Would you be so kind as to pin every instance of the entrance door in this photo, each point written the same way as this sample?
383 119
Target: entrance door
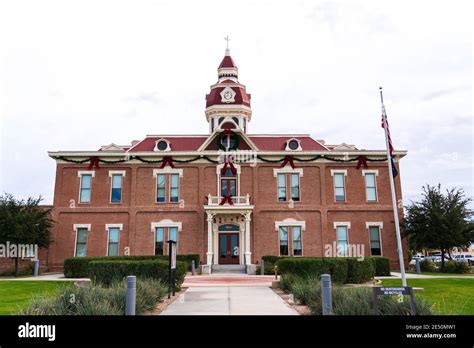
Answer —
229 248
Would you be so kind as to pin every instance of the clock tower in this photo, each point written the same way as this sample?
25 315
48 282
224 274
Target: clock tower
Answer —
228 99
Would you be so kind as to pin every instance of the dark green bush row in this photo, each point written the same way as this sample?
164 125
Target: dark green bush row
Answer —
77 267
456 267
341 269
109 272
428 266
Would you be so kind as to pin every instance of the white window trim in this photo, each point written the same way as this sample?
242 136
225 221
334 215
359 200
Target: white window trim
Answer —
289 225
80 173
348 227
287 170
287 145
219 177
376 172
111 176
380 226
75 228
290 222
339 171
107 229
166 223
168 145
168 170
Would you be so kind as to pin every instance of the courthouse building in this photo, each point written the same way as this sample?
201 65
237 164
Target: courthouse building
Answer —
229 195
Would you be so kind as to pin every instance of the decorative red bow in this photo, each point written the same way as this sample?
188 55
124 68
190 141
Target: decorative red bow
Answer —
167 160
228 131
230 164
94 163
288 159
228 199
362 161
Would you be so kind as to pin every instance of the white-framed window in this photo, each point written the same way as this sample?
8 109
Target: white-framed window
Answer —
167 177
113 238
342 237
165 230
375 238
116 185
85 186
339 181
290 237
80 244
370 178
288 183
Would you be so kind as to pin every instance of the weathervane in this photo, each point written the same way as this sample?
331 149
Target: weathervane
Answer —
227 39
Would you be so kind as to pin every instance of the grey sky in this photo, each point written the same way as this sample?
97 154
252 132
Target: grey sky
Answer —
75 75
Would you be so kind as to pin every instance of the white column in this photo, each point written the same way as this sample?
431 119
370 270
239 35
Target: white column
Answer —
209 238
248 254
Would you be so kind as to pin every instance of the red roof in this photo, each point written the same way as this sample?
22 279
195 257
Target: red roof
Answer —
278 143
176 143
227 62
241 96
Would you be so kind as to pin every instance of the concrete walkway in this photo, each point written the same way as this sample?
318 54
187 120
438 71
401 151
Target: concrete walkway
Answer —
53 276
422 276
229 300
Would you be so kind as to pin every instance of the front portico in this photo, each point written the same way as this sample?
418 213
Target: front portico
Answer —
228 233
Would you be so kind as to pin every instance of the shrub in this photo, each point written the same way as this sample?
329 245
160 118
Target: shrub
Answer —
455 267
306 290
359 271
77 267
97 300
382 265
270 263
109 272
428 266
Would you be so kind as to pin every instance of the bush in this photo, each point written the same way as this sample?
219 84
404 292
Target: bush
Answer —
109 272
77 267
97 300
359 271
382 265
428 266
306 290
270 263
455 267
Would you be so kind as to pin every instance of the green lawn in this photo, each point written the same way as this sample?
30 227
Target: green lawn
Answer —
439 274
15 295
449 296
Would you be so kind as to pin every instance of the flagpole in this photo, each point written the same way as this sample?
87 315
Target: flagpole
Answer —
394 197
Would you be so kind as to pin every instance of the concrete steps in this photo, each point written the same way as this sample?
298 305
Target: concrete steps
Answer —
228 269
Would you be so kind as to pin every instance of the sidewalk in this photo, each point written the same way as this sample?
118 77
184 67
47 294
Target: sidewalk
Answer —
46 277
229 300
422 276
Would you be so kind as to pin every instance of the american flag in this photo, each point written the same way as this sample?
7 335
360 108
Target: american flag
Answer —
390 145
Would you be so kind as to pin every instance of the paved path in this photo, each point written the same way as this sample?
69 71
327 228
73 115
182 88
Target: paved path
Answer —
228 280
53 276
421 276
229 300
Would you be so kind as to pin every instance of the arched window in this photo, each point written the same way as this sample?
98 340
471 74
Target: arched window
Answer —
236 120
221 119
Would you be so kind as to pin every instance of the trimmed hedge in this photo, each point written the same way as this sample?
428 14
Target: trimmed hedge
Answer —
382 265
342 269
359 271
77 267
110 272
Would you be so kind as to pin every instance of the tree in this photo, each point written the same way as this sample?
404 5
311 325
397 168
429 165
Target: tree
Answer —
439 221
24 222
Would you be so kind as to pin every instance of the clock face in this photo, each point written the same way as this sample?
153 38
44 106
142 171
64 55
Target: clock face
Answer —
228 95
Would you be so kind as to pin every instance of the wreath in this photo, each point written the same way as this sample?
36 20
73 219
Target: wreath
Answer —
225 133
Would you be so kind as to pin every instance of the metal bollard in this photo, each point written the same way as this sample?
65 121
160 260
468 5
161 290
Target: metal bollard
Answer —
262 267
131 295
418 267
326 294
36 268
193 267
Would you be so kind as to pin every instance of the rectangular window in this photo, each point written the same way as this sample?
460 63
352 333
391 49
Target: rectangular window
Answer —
160 188
173 235
339 187
174 188
81 242
159 241
281 187
375 247
341 232
295 187
86 185
116 194
297 247
283 241
370 187
114 234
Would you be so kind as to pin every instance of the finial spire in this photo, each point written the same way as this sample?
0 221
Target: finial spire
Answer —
227 51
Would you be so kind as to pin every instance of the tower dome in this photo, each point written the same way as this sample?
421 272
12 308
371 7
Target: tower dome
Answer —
228 99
